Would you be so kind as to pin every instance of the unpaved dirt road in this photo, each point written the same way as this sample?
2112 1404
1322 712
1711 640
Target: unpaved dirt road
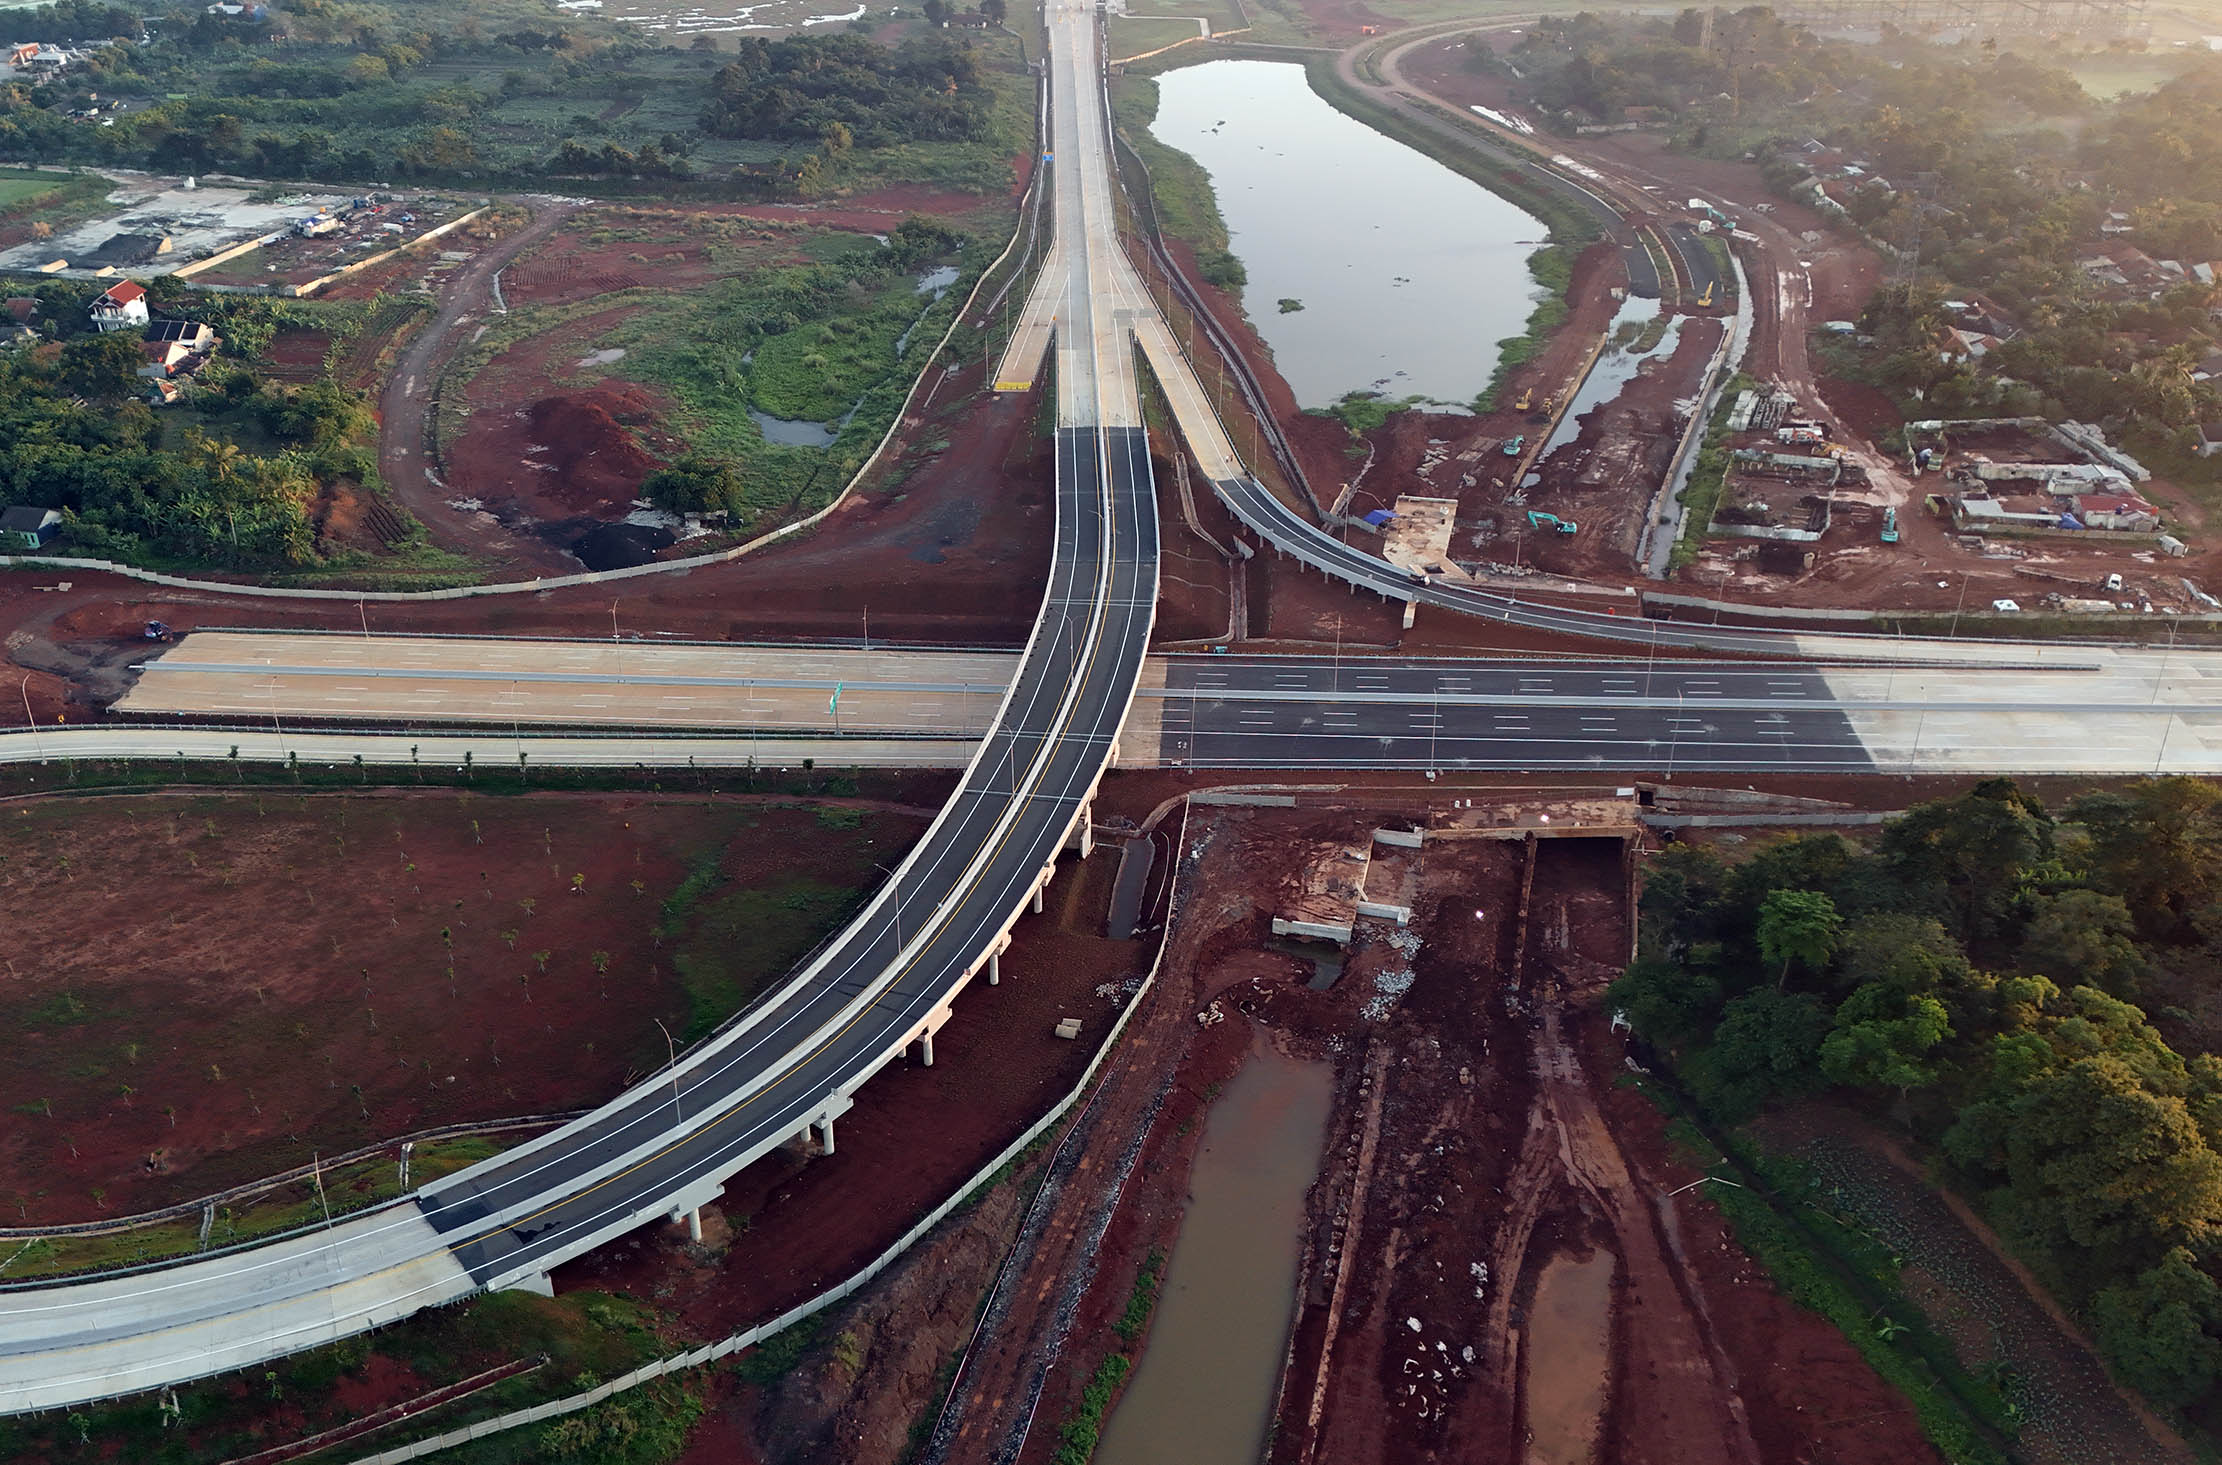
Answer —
404 446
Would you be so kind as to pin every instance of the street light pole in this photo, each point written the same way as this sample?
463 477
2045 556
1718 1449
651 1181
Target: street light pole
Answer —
2162 674
671 1048
896 880
29 721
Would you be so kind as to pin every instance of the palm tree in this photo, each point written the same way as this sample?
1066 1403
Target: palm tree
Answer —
220 458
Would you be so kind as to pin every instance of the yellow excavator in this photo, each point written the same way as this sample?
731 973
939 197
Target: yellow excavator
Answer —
1527 399
1705 296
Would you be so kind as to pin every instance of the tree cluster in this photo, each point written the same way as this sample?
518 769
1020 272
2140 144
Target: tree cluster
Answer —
73 20
75 436
793 90
651 161
1977 977
937 12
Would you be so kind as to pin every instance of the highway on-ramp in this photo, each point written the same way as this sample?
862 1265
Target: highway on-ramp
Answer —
791 1061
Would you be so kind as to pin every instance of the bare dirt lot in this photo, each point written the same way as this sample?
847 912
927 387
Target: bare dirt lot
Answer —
209 988
538 456
1476 1149
1606 477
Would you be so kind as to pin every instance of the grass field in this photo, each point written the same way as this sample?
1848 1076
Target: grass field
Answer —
801 324
1124 37
57 199
20 186
1224 15
2109 74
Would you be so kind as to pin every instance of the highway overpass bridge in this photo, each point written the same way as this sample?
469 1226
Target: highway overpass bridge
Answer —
2082 709
787 1065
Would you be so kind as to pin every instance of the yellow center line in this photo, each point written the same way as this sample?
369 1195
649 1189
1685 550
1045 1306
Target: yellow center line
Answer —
1098 616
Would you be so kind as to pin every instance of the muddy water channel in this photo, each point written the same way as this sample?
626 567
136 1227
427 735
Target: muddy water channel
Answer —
1408 274
1203 1392
1569 1335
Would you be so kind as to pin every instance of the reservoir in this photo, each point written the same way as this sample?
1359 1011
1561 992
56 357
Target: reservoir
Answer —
1409 274
1203 1391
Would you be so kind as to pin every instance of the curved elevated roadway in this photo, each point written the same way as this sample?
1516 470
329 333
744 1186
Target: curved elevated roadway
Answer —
1289 533
790 1062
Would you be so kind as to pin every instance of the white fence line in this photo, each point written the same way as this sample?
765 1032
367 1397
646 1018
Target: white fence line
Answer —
584 577
750 1337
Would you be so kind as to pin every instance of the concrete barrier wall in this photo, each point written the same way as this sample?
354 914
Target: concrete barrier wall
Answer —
188 270
750 1337
312 286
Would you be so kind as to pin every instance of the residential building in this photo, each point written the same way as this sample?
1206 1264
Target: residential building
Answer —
2116 511
23 528
121 306
193 335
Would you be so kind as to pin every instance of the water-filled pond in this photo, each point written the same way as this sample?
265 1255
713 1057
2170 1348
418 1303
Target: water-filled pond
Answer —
1408 274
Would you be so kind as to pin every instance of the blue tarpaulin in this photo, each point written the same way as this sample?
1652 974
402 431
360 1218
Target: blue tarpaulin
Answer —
1379 517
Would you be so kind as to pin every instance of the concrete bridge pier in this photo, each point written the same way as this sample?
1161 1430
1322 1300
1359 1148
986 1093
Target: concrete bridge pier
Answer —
995 959
687 1206
924 1037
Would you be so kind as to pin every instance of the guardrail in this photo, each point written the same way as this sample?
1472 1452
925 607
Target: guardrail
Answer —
464 1130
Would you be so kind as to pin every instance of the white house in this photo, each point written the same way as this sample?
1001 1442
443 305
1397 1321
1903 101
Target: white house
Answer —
121 306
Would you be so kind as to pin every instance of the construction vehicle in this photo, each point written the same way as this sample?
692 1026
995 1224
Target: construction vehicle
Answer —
1705 296
1537 519
1514 445
1543 412
1890 526
157 631
1527 399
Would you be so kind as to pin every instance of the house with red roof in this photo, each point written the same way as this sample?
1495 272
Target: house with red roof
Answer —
121 306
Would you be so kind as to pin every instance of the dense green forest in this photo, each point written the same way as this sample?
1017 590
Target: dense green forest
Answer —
801 88
175 486
2034 996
